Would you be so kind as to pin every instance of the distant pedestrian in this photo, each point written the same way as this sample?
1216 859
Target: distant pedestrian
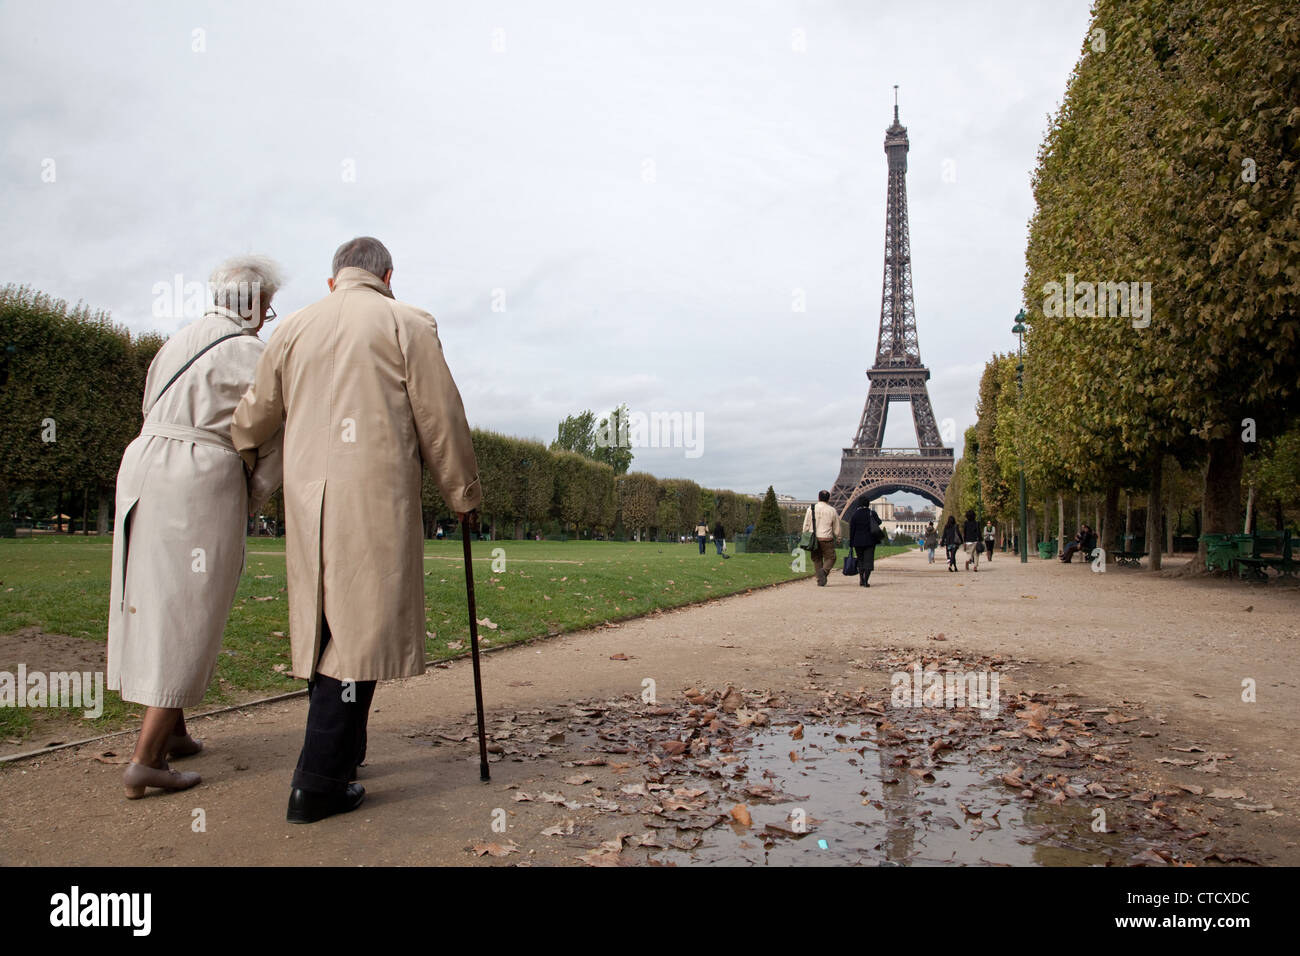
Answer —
701 534
970 534
951 541
864 535
719 536
990 534
824 522
931 540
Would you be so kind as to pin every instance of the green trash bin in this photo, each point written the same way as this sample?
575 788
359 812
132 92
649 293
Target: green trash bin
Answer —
1220 551
1046 549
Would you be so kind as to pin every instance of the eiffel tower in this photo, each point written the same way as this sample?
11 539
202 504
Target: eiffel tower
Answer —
868 471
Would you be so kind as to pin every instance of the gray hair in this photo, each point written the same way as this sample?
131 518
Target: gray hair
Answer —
240 281
363 252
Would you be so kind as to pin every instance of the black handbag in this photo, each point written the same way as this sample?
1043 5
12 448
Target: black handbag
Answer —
850 563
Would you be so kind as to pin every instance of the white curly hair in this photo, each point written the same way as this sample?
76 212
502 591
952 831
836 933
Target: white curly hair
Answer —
240 281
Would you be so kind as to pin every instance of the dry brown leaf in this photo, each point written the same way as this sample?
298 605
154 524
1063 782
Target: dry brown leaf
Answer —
495 849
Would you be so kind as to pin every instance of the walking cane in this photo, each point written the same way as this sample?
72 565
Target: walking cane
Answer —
473 643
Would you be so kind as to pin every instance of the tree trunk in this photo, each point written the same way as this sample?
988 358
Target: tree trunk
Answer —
102 514
1153 511
1221 498
1279 516
1096 517
1169 534
58 513
1060 522
1128 516
7 528
1250 511
1110 519
85 507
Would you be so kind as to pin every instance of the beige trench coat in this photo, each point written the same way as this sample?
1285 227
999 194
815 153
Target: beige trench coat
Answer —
182 507
365 396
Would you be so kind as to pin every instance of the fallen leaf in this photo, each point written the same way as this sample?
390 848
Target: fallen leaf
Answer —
1218 793
740 813
496 849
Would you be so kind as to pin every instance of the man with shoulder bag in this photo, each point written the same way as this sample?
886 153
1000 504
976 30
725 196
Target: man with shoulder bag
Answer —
824 524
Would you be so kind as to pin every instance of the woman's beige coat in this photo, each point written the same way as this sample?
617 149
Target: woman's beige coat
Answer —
182 508
360 384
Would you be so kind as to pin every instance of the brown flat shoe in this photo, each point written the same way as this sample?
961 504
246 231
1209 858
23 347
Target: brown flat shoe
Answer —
186 746
137 777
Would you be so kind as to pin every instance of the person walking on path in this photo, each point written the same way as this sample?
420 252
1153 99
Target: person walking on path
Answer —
824 522
864 535
719 536
951 541
183 500
931 540
970 534
701 534
360 386
990 535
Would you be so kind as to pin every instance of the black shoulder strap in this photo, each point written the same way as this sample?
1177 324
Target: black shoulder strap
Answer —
194 358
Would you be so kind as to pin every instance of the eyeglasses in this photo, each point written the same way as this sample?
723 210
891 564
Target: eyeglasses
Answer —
270 313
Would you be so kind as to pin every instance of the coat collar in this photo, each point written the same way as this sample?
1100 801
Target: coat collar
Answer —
352 277
231 315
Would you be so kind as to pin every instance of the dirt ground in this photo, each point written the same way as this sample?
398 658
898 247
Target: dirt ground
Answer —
1171 651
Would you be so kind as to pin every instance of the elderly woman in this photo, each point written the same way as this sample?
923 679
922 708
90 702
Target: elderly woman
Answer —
183 497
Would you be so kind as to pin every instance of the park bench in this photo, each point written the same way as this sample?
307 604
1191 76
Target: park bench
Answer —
1129 551
1258 552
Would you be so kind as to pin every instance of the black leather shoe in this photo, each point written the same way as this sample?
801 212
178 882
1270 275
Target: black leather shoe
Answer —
308 806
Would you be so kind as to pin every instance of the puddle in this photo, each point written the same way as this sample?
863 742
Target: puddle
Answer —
748 777
857 806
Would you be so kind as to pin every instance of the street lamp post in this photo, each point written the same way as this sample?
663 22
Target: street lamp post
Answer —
1019 330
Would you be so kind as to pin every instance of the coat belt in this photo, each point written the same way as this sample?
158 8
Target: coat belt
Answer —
200 436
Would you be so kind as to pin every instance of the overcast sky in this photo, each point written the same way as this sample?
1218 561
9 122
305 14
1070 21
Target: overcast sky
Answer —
600 202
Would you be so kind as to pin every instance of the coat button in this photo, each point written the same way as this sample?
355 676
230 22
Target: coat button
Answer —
133 610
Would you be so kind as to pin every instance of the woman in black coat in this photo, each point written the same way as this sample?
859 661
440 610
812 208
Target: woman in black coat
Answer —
864 535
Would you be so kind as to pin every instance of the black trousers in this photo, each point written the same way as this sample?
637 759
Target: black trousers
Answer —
866 562
335 741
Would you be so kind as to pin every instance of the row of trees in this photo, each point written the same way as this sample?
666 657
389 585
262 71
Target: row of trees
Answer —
527 486
71 383
1162 281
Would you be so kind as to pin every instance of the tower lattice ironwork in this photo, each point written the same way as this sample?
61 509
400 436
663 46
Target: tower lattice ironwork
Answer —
869 470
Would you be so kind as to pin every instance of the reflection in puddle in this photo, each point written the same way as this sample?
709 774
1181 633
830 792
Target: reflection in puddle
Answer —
859 803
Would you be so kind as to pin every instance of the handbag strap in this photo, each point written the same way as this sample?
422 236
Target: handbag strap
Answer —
184 368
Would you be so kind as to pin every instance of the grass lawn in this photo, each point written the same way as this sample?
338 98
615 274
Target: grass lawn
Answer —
528 589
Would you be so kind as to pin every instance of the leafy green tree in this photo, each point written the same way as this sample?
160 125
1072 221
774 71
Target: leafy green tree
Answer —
612 442
577 433
638 500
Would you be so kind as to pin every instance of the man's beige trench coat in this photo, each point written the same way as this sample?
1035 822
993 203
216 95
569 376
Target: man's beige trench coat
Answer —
182 507
360 383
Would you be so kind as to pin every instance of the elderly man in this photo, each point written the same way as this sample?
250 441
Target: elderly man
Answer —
823 520
365 397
